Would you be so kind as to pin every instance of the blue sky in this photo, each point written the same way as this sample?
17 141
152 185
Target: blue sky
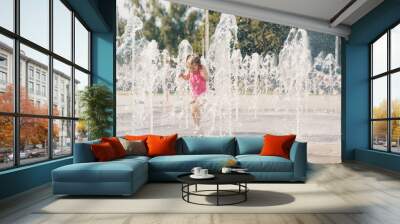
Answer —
35 27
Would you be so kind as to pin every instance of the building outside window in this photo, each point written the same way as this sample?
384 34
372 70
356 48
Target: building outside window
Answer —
3 72
37 74
44 77
43 90
55 98
38 89
58 133
30 72
3 61
30 87
3 78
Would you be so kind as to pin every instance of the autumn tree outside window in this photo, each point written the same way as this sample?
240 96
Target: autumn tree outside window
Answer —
38 84
385 91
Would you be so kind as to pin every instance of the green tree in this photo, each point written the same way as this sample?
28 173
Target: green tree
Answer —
169 24
255 36
197 41
178 25
380 127
97 103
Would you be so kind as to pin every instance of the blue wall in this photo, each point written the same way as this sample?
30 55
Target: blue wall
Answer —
103 51
103 63
356 84
24 178
100 16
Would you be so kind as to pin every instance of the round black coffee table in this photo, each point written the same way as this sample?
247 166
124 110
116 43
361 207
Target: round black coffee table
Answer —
238 179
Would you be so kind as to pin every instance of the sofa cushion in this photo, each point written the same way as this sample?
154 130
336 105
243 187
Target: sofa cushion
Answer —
134 147
159 145
116 145
277 145
185 163
190 145
103 152
136 137
112 171
249 144
257 163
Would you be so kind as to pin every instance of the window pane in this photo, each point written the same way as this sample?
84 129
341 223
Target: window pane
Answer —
81 131
6 142
81 45
62 29
34 97
395 47
35 21
81 81
6 75
379 55
395 138
62 138
7 14
395 94
379 97
33 139
62 89
379 135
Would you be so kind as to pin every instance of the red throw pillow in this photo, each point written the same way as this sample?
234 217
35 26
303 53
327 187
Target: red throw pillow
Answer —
116 145
103 152
161 145
136 137
277 145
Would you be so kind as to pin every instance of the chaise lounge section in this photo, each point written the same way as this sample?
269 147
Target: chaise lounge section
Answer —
88 177
125 176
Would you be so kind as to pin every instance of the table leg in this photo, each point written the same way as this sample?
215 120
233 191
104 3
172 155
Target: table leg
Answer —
188 190
217 194
245 193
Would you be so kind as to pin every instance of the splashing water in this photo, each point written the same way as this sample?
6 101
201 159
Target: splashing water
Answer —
244 93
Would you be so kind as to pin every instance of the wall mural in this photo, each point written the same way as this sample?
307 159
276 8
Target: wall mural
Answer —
191 71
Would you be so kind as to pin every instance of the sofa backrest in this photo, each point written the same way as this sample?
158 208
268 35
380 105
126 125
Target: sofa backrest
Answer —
250 144
192 145
83 152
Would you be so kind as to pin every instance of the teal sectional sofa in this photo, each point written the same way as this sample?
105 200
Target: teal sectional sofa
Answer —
125 176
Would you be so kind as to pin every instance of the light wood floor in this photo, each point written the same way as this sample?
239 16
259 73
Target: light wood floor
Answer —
377 188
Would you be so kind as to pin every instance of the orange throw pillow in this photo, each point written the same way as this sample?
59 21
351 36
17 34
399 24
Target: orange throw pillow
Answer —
161 145
277 145
136 137
116 145
103 152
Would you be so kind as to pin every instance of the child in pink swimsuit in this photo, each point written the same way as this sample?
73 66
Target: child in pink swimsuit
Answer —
197 76
198 84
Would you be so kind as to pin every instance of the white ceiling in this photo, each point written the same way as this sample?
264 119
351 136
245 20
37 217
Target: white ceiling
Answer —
319 9
309 14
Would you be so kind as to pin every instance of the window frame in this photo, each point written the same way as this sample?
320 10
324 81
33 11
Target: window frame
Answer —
388 74
16 114
3 69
